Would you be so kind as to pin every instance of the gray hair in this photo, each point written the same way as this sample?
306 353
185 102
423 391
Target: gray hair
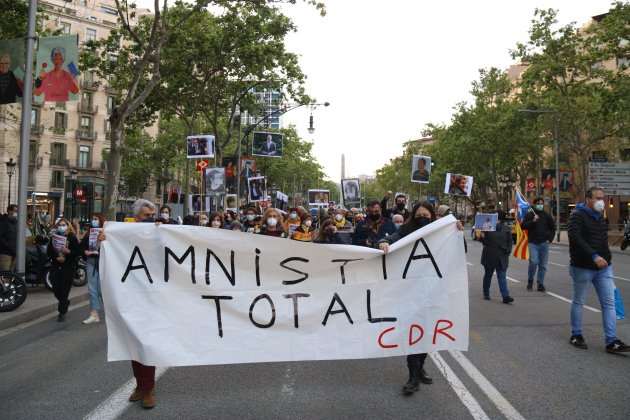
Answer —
58 50
139 203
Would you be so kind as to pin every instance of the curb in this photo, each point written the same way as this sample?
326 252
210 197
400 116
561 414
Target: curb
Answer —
38 312
614 249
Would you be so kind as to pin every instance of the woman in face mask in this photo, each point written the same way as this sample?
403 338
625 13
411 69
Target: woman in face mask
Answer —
216 220
63 249
89 250
272 224
305 231
292 222
165 216
421 215
328 234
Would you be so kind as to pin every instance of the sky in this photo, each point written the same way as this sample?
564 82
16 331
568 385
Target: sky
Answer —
388 68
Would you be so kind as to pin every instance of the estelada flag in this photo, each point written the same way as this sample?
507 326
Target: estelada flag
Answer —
521 250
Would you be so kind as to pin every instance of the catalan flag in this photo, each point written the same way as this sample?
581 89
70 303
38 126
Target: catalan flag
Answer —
521 206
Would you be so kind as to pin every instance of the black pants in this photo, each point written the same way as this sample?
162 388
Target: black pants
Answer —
61 279
416 360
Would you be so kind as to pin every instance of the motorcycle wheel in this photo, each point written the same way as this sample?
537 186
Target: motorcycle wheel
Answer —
47 281
12 291
624 245
80 277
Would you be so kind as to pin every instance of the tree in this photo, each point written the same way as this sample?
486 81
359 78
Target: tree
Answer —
131 58
567 74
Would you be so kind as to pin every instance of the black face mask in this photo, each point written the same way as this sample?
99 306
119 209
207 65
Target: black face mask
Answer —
422 221
328 232
375 216
400 206
148 220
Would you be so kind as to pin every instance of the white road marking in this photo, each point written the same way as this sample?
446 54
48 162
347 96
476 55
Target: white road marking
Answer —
469 263
556 252
511 279
620 278
461 391
553 263
569 300
28 324
118 402
493 394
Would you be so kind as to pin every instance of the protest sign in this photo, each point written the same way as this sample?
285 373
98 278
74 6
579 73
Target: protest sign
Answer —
184 295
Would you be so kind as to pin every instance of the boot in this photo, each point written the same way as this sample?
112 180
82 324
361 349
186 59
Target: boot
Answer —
148 401
413 384
529 285
137 394
424 378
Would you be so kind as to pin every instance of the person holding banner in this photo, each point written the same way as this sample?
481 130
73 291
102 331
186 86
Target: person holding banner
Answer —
272 224
63 249
421 215
89 251
328 234
497 246
305 231
369 232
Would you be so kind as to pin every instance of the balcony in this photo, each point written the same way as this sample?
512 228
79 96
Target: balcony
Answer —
110 90
84 134
37 128
89 85
59 130
60 105
87 108
58 161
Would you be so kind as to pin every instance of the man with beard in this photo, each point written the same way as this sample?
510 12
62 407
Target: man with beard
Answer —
374 228
400 206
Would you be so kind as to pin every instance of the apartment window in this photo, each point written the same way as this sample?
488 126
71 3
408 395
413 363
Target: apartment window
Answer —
86 123
32 152
110 103
34 118
61 121
84 157
113 57
66 27
56 180
86 99
82 3
90 34
58 154
109 10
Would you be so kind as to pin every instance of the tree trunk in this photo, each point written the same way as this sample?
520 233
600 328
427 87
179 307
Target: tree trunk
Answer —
113 167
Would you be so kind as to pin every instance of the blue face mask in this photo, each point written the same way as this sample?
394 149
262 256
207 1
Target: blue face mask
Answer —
250 217
62 229
95 223
539 207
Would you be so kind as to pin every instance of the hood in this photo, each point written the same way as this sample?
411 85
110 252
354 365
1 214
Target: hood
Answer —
592 213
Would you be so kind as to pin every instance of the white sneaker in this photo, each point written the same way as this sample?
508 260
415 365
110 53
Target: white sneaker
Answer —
91 320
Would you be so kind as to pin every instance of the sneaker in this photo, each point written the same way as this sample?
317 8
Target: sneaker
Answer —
617 346
578 341
61 318
486 297
529 285
91 320
508 299
541 288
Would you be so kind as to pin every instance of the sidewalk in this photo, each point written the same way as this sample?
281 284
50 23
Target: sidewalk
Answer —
39 302
615 249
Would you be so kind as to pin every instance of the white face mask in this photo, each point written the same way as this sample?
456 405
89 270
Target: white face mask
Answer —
293 215
338 217
165 215
308 223
272 222
204 221
599 205
216 223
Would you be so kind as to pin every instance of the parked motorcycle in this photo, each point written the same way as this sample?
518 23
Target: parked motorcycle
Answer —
626 238
12 291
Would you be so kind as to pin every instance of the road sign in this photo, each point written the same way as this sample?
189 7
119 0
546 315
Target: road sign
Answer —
613 178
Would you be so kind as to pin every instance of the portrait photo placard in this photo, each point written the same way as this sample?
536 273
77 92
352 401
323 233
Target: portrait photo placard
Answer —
215 181
486 222
231 202
458 184
57 69
421 169
200 146
351 189
267 144
12 70
257 189
318 196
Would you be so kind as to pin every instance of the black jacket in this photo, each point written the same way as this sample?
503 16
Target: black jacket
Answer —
8 235
497 246
389 213
540 231
72 245
588 235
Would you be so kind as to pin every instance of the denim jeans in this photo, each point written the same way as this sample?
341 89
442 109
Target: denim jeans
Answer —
94 284
501 273
603 282
538 254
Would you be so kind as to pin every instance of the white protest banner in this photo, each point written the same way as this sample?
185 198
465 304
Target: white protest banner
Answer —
185 295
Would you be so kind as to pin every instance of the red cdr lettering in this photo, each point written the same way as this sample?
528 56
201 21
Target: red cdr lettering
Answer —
380 339
411 328
439 330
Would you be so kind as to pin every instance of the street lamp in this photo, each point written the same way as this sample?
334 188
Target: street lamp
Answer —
10 172
556 144
73 175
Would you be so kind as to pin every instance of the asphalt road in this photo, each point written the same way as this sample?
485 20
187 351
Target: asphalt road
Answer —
519 365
